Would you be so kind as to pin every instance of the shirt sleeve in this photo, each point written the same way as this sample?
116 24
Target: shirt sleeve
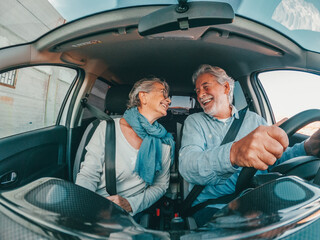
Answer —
154 192
91 168
296 150
201 165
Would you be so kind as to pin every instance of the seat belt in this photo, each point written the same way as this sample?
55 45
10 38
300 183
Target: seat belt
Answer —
229 137
110 157
110 146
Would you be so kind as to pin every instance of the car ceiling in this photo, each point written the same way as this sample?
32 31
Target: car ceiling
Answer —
109 45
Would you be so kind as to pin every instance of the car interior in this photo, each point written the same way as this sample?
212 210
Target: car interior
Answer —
112 50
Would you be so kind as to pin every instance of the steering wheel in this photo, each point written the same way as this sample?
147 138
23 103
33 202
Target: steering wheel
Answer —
290 127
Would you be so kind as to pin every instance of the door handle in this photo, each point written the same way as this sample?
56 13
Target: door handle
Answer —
8 178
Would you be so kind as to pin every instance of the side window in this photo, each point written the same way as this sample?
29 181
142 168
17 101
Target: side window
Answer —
31 97
291 92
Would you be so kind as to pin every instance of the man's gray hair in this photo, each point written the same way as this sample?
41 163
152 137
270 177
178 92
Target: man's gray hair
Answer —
217 72
143 85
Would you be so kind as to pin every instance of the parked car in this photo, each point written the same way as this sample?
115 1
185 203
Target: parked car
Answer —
59 59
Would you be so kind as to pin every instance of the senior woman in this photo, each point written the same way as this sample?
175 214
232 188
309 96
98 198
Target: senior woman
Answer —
144 150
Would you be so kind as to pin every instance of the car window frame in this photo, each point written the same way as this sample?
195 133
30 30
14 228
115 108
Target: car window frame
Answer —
259 101
264 104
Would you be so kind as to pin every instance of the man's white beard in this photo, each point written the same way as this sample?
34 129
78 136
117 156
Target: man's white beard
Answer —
215 108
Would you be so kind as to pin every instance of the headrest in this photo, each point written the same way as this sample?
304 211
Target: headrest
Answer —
116 99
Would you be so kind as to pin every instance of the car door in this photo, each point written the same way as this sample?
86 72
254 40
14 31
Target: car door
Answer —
33 135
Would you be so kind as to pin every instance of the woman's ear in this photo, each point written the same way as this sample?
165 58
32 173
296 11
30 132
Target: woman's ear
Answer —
143 98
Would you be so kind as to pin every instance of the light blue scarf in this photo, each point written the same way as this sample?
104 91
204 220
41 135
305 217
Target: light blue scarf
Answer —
150 152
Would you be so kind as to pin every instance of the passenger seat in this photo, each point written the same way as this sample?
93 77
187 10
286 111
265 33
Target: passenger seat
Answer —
115 105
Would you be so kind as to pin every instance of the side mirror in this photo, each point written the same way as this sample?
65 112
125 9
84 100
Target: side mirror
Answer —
190 15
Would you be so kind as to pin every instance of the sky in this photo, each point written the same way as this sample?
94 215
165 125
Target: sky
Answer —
78 9
73 9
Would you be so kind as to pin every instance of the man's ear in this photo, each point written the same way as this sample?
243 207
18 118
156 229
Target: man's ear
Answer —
143 98
227 88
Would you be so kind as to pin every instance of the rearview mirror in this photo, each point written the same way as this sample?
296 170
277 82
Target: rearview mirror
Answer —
196 14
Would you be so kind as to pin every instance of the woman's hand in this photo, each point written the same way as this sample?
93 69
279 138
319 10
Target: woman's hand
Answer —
122 202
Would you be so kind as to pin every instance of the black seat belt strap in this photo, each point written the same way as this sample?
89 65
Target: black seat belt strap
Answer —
109 157
229 137
110 146
234 128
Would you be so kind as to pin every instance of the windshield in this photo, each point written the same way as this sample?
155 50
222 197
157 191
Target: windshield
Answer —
24 21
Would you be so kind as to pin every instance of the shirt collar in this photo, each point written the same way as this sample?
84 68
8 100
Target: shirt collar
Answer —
235 112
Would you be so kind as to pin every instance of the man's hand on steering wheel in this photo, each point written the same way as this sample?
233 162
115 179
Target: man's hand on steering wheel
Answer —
290 126
260 148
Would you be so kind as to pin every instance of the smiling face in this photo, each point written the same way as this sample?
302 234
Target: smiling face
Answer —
213 96
155 103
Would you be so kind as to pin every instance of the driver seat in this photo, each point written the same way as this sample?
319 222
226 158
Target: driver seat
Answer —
240 102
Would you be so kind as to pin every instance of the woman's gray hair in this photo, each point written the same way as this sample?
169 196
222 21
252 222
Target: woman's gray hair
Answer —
143 85
217 72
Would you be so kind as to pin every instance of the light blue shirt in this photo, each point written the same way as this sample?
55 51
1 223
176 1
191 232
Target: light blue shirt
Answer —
202 161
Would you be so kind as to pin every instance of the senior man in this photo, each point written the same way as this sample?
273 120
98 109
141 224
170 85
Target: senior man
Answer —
203 161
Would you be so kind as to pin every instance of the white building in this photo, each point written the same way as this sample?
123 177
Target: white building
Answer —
30 98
